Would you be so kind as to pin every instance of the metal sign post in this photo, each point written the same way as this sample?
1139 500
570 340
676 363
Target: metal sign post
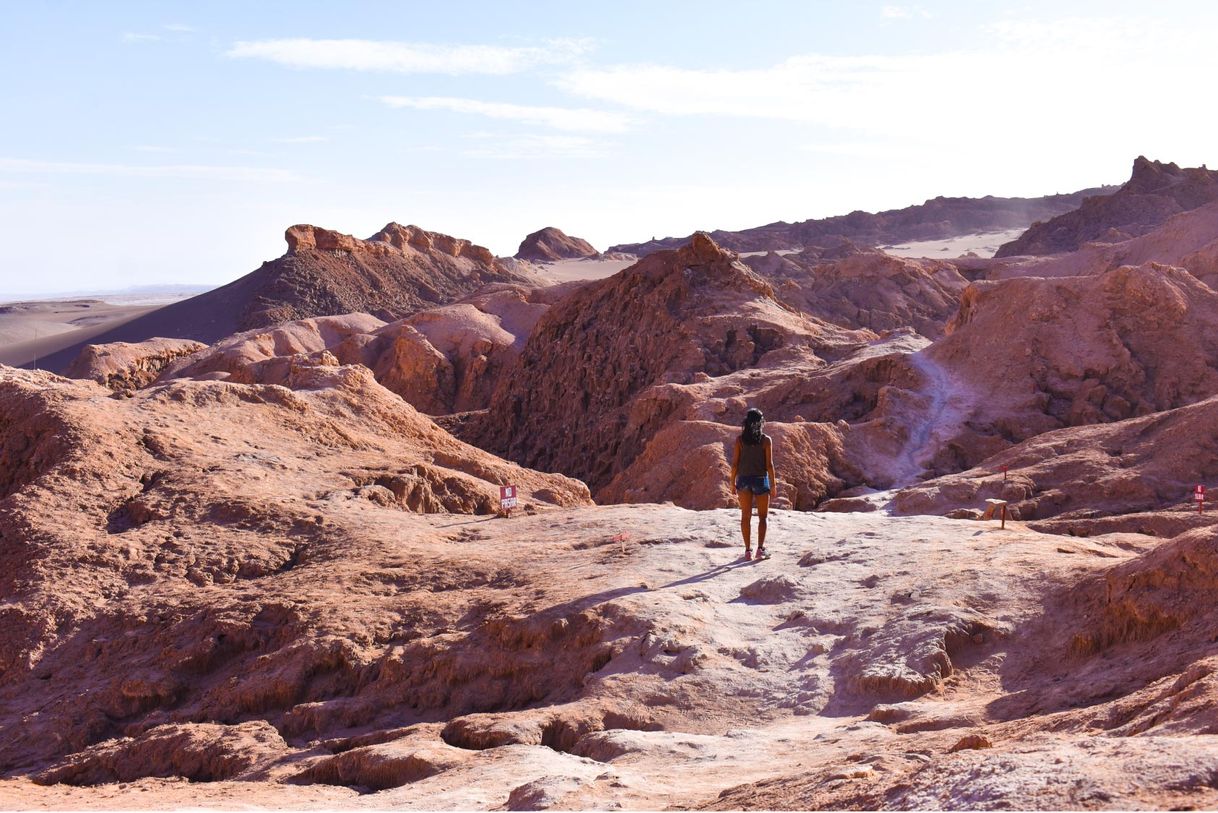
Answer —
507 499
1199 496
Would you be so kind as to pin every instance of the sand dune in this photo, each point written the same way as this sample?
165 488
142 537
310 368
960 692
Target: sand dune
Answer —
983 245
584 269
34 330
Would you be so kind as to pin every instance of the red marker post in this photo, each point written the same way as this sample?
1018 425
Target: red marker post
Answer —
1199 496
507 499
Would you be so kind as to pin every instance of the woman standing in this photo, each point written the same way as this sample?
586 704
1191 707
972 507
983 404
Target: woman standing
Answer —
753 478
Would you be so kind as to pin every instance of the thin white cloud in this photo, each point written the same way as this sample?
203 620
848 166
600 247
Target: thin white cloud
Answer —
904 12
408 57
560 118
131 36
1031 68
1103 34
175 171
865 149
500 146
805 88
309 139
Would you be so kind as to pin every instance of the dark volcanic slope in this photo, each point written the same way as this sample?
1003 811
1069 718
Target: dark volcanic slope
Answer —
551 244
397 271
1153 193
933 220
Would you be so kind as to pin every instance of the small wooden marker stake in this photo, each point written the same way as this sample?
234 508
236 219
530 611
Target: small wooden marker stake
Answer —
1000 506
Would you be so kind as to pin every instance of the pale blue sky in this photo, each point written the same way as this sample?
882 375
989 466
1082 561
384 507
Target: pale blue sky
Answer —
173 142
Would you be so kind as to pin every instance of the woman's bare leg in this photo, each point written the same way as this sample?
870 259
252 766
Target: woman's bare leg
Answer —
746 515
763 508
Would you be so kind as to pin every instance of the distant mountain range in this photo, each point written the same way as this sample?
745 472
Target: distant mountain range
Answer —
150 291
936 219
1154 192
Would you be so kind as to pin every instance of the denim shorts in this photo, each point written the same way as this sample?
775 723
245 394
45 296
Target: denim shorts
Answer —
759 484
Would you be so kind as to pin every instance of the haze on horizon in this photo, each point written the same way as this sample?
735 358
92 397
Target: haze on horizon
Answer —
172 143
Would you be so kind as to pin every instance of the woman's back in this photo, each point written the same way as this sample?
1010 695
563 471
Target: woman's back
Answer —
752 458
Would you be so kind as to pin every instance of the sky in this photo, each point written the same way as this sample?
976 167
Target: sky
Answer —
173 142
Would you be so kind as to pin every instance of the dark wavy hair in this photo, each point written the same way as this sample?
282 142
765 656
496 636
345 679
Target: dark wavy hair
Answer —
753 421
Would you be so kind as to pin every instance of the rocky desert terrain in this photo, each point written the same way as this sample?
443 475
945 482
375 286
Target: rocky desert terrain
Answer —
260 561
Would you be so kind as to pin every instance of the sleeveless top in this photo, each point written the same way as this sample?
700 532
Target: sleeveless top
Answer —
752 459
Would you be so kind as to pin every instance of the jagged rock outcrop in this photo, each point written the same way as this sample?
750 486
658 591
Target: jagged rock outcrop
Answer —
125 366
1046 353
398 270
224 528
550 244
440 360
1161 593
395 272
233 584
572 403
935 219
1132 348
1188 240
203 752
1154 192
865 289
1086 478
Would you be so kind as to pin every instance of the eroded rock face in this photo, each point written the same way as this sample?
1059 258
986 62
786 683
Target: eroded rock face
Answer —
866 289
1188 240
1070 351
440 360
124 366
1081 475
1154 192
223 582
572 403
200 752
394 273
398 270
550 244
195 485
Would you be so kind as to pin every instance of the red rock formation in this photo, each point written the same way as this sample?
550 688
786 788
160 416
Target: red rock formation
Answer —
124 366
1045 353
552 244
395 272
1138 467
398 270
1154 192
195 485
1188 240
686 462
441 360
201 753
866 289
573 402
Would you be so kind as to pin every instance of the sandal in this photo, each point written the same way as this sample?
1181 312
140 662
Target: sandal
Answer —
748 552
762 553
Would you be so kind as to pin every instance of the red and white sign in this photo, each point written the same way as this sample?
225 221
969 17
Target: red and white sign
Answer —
507 497
1199 493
